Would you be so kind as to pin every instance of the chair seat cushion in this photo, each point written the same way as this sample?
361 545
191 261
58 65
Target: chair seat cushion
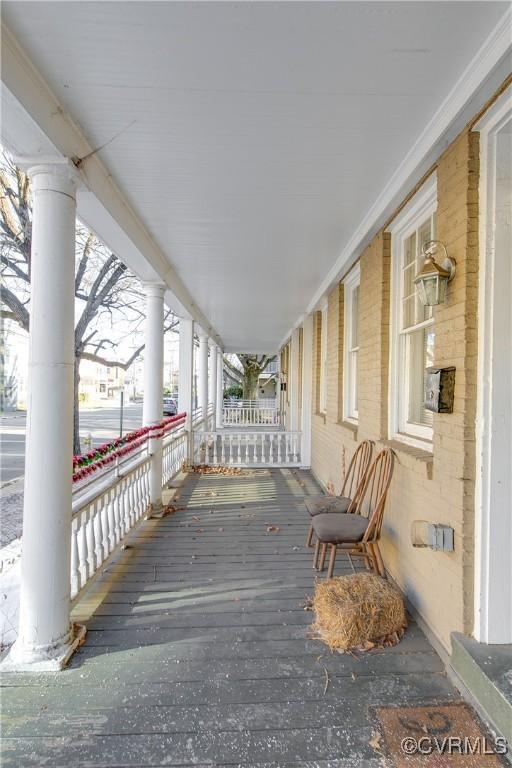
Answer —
332 528
318 505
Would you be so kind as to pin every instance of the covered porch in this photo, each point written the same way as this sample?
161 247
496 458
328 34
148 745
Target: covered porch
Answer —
284 177
199 651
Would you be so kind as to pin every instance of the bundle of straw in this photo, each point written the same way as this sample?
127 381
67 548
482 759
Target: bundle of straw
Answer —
360 611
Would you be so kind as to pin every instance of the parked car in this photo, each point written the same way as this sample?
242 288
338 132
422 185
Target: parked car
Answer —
170 406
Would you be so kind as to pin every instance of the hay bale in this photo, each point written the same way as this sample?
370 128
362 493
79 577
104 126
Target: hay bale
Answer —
359 611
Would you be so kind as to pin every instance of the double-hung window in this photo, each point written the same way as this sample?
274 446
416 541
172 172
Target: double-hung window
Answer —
323 359
351 343
412 324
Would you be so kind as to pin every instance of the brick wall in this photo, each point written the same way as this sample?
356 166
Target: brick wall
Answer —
438 487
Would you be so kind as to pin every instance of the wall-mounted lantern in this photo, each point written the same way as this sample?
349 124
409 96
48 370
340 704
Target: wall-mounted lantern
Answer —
433 278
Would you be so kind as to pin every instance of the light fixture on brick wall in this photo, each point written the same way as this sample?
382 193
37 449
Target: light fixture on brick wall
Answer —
433 278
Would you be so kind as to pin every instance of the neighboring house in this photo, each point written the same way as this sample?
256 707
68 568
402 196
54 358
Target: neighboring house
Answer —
13 366
267 384
100 382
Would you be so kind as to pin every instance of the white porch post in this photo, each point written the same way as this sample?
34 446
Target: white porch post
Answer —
202 376
307 389
220 389
213 384
186 374
294 380
44 638
153 383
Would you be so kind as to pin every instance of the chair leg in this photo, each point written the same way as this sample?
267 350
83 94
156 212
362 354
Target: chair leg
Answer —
322 557
317 552
373 558
332 560
380 562
309 540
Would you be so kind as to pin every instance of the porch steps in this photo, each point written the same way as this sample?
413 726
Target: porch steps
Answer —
486 673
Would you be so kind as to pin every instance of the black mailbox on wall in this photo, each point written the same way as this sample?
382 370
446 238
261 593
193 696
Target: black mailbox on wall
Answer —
439 389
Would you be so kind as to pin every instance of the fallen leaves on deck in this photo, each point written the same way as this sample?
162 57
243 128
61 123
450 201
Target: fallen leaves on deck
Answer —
205 469
375 743
273 528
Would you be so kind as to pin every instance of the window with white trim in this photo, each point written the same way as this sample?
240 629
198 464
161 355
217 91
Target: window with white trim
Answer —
351 343
412 326
323 360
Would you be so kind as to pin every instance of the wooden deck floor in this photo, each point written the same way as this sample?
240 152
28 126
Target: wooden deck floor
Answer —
198 651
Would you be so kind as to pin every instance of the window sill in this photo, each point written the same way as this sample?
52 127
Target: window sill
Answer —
349 426
322 415
417 459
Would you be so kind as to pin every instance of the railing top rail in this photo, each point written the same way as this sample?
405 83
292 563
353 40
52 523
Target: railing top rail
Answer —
100 457
85 499
233 432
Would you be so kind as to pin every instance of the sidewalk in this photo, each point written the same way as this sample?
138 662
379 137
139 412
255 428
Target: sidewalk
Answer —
11 512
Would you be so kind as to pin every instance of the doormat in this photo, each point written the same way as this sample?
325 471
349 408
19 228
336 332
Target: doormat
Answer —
437 736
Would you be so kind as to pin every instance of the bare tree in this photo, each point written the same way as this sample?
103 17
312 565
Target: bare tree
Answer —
107 294
246 370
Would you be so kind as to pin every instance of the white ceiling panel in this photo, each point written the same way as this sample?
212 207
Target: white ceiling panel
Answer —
254 137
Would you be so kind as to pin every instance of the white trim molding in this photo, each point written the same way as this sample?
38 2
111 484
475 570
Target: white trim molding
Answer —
493 487
350 353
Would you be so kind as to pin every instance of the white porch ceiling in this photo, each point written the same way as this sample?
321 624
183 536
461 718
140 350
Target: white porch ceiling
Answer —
253 137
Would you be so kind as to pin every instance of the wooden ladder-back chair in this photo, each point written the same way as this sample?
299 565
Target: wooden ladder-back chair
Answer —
358 532
353 484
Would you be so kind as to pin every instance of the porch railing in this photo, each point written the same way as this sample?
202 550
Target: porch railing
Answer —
102 519
254 449
111 492
263 402
252 414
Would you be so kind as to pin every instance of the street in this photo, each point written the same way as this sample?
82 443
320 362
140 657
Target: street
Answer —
101 424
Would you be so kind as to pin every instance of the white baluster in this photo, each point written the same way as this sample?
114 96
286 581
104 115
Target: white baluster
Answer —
75 568
98 532
91 543
278 437
104 524
263 440
111 521
117 520
287 444
230 460
126 502
295 448
271 448
82 547
131 497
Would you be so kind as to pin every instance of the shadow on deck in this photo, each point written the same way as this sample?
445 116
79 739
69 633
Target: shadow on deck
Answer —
198 652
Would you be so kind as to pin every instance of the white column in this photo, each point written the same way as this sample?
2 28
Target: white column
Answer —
307 389
294 380
186 372
220 389
44 638
213 383
154 383
202 376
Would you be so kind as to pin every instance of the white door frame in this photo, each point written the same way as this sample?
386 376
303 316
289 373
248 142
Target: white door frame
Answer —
493 487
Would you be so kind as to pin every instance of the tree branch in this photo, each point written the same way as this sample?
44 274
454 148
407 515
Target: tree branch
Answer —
21 314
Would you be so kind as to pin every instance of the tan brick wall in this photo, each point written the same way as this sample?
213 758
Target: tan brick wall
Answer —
439 487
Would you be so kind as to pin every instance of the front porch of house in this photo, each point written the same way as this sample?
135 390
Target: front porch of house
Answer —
198 650
302 205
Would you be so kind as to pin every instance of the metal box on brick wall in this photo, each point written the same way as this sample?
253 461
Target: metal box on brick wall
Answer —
439 389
